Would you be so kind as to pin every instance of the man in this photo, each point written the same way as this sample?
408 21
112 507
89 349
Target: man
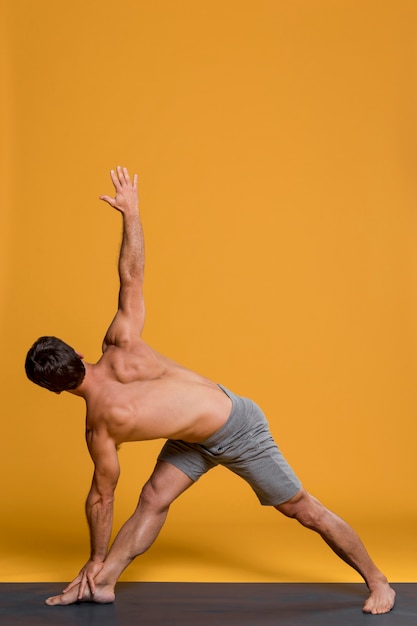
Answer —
133 394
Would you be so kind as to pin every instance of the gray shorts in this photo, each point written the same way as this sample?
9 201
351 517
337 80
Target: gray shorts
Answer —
244 445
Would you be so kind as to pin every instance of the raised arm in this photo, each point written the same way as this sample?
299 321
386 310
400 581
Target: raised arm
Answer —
127 325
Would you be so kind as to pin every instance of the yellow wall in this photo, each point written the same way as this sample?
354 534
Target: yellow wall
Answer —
276 147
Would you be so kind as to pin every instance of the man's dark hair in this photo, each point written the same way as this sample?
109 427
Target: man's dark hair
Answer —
53 364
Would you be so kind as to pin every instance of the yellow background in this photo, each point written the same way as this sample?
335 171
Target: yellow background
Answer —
276 147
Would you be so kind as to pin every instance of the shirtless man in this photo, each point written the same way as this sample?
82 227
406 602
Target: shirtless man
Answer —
134 394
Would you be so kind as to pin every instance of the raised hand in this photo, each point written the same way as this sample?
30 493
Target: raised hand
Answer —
126 198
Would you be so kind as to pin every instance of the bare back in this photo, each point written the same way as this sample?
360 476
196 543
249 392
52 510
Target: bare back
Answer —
138 394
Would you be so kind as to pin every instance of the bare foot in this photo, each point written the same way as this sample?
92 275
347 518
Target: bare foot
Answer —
381 599
104 595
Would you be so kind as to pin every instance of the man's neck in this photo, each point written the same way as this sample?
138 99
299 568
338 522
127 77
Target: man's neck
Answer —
82 389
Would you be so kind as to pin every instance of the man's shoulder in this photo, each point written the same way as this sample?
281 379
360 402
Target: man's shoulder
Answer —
133 363
135 346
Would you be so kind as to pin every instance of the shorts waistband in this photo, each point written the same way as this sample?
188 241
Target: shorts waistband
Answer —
239 407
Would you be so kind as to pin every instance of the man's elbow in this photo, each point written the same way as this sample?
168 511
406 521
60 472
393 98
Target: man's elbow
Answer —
101 497
107 499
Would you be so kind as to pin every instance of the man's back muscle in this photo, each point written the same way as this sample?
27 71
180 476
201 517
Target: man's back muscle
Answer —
139 394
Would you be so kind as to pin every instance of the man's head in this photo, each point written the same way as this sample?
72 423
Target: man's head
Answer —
53 364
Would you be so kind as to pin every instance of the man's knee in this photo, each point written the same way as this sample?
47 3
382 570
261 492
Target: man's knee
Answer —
163 487
153 497
305 509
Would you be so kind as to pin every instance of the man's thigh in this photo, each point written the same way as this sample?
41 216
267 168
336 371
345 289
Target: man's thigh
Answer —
190 458
167 482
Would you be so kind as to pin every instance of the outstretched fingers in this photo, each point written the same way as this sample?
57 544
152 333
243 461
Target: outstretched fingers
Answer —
126 196
121 176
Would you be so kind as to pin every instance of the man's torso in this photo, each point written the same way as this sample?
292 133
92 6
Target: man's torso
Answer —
143 395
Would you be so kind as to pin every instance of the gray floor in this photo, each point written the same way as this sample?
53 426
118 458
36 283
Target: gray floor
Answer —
198 604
